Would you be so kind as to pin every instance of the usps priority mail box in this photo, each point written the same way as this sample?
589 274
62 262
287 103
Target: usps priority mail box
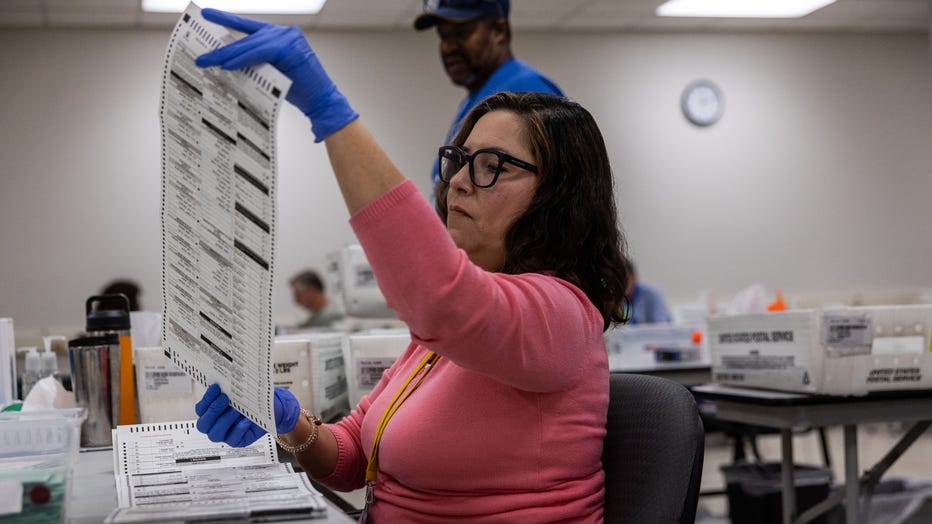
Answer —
843 351
368 355
312 367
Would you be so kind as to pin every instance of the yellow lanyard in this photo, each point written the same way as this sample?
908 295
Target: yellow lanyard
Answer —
426 364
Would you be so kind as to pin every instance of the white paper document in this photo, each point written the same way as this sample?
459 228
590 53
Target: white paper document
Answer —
218 216
172 472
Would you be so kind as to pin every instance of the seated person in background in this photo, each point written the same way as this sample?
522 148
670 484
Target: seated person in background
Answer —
125 287
496 411
645 303
308 291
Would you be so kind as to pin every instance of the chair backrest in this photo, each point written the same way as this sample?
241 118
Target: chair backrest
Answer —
653 451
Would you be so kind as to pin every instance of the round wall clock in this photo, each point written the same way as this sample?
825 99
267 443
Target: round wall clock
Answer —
702 103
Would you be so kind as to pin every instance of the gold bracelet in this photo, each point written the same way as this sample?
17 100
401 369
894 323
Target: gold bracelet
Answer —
315 430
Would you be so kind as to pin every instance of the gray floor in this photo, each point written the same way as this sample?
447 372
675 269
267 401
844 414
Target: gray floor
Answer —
873 442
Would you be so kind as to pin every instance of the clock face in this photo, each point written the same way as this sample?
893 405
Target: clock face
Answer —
702 103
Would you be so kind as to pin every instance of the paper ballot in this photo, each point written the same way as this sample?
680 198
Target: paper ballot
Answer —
172 472
218 216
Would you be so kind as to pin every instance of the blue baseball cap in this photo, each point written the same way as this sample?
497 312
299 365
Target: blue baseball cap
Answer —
459 11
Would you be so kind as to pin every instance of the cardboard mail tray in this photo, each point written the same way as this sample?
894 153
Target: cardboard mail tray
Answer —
311 366
845 351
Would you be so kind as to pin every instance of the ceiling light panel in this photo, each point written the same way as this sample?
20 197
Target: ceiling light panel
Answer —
741 8
269 7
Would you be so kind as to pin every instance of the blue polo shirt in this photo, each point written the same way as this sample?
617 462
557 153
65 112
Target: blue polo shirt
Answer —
513 76
648 306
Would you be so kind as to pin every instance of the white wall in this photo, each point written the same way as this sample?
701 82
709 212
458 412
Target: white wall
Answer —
819 175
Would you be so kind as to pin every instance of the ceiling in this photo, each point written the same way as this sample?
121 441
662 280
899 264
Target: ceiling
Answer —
530 15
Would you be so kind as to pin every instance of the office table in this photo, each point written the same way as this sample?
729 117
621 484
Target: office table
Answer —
93 491
786 411
686 373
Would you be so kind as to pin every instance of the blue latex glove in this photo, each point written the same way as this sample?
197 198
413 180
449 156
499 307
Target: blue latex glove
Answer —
222 423
311 91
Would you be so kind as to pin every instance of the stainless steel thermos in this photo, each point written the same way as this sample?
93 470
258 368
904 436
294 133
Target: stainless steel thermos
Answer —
102 372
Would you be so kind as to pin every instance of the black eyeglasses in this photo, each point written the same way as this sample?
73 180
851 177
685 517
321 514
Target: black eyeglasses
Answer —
484 165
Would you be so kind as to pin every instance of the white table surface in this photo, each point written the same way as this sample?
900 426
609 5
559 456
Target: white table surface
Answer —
93 491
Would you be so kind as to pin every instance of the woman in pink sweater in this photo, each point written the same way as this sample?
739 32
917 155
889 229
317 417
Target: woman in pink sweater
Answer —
496 411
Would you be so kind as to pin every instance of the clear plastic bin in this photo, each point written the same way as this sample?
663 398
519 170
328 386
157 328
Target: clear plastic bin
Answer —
37 452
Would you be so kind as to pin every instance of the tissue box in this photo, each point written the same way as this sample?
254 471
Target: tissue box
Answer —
845 351
312 367
368 355
38 451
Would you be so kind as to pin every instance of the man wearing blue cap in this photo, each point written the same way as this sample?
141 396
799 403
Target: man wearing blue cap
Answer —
475 46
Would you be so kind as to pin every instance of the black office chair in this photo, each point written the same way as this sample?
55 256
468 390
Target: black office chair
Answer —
653 451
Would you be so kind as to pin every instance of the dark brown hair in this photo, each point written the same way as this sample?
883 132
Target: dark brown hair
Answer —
128 288
308 278
571 226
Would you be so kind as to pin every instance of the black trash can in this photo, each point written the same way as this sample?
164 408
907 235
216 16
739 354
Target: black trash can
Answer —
755 491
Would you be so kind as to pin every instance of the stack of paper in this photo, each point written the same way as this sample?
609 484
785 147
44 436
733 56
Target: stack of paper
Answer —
172 472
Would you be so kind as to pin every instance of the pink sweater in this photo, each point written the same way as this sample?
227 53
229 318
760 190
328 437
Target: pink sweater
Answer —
508 426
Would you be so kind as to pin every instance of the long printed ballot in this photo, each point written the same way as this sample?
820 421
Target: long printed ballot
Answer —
218 216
